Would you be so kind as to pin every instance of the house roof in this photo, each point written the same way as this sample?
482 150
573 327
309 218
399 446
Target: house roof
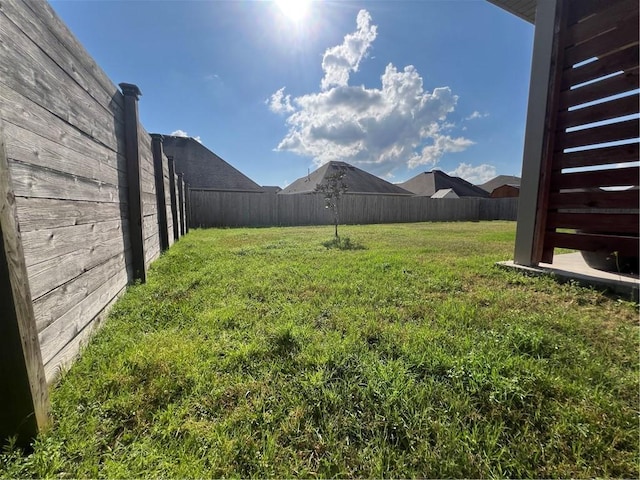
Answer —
204 169
427 183
445 193
525 9
357 181
498 181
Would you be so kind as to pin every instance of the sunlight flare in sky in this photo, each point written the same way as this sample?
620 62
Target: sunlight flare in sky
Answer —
294 10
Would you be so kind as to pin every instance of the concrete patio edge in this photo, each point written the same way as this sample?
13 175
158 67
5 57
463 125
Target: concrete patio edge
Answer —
571 266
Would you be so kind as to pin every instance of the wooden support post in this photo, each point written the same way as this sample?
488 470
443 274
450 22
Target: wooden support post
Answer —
187 206
181 202
24 401
536 134
174 200
156 140
136 227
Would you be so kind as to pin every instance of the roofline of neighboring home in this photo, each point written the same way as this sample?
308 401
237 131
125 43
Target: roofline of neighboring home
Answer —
202 145
524 9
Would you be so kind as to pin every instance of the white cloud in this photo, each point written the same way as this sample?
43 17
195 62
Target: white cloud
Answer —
339 61
182 133
379 129
476 175
476 114
280 103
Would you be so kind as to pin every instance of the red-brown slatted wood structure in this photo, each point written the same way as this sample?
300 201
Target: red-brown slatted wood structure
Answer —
580 169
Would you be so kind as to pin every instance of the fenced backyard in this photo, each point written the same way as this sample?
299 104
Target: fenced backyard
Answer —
261 353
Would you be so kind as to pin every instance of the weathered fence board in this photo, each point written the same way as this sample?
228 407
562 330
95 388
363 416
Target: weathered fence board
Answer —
59 301
47 213
33 181
28 70
47 275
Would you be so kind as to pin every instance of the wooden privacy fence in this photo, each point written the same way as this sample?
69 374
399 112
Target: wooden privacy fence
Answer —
227 209
592 110
87 202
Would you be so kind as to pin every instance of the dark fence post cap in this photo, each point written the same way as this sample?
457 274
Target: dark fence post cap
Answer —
129 89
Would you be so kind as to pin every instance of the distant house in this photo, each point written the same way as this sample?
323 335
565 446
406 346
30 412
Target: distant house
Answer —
203 169
506 191
426 184
508 185
357 181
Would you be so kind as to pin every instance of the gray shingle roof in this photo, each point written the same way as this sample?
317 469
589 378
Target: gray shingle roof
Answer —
204 169
500 180
357 181
425 184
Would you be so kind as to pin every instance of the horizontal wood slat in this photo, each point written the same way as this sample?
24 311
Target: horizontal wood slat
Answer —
626 33
626 130
34 181
45 213
624 245
42 245
602 111
64 50
45 18
602 199
598 156
580 10
624 82
615 177
31 148
623 60
601 22
59 301
595 222
29 71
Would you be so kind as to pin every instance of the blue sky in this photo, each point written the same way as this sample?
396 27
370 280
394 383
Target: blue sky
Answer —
393 87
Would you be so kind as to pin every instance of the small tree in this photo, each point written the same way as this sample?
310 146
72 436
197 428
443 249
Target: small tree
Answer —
333 187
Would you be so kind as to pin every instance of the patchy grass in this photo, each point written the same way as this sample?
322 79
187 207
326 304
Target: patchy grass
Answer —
261 353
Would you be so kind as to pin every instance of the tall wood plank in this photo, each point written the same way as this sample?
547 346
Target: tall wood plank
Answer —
24 402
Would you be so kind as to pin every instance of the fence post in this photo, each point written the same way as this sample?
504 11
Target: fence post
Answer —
174 207
24 403
187 206
181 201
136 228
156 140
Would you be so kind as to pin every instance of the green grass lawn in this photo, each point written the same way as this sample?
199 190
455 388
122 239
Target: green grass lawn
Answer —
261 353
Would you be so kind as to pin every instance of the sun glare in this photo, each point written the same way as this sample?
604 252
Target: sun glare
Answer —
294 10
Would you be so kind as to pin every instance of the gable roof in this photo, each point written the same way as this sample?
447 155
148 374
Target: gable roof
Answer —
204 169
445 193
498 181
357 181
425 184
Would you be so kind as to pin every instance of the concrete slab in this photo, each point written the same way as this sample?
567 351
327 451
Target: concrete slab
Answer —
571 266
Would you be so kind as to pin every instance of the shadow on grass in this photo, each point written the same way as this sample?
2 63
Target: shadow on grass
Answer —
343 243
